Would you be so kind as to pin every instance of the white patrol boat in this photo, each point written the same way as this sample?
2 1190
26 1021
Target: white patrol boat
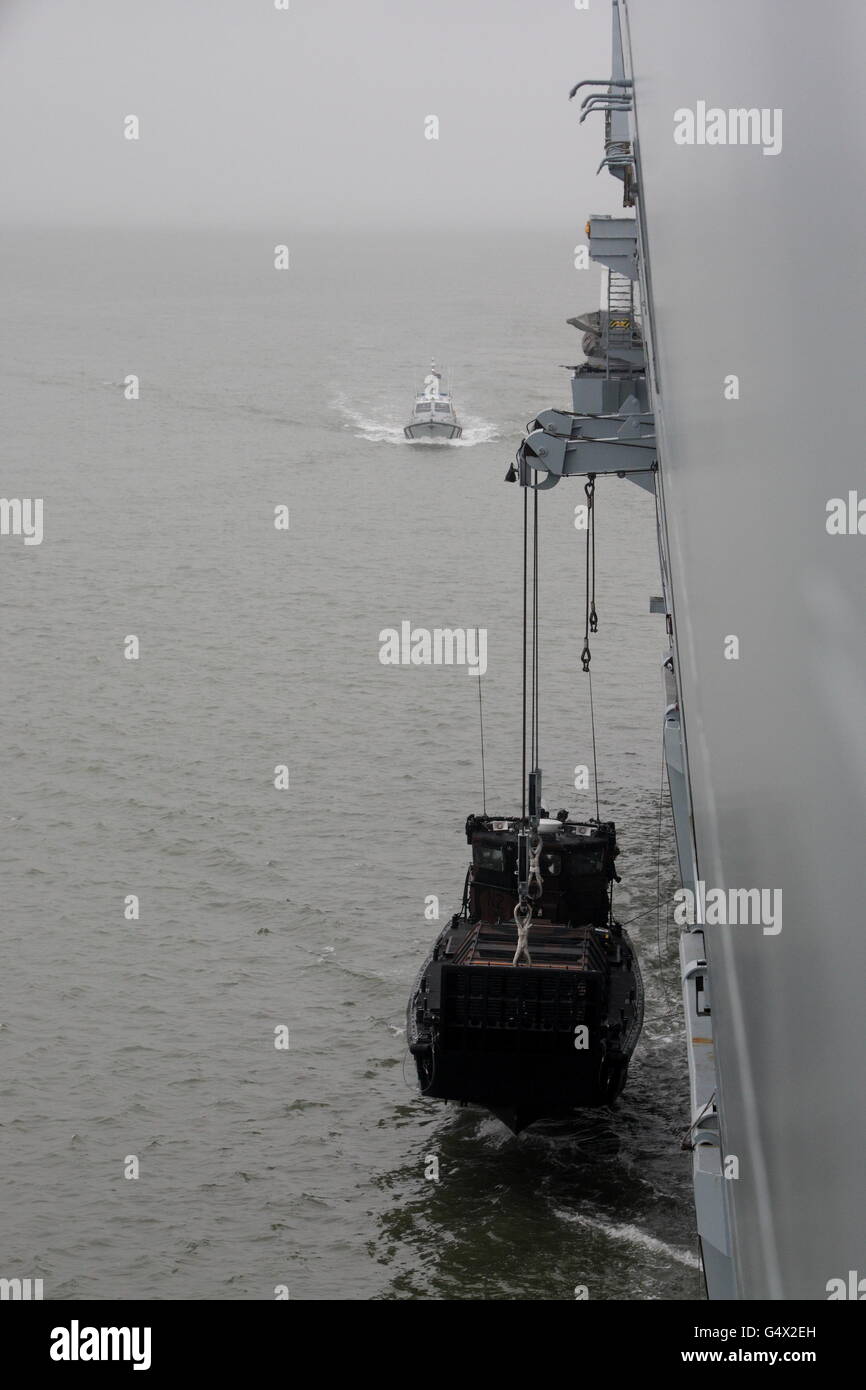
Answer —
433 417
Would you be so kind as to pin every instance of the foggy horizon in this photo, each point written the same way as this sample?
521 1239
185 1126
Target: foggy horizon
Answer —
309 119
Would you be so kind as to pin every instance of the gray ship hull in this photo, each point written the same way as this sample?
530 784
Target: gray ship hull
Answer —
777 1028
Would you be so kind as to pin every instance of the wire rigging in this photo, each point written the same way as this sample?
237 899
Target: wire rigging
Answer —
591 616
529 847
659 868
591 619
531 662
481 725
525 595
536 694
531 699
594 751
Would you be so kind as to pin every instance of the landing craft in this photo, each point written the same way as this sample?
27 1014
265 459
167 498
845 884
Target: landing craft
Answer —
531 1001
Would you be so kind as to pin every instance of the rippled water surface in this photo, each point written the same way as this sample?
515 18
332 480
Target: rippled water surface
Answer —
259 908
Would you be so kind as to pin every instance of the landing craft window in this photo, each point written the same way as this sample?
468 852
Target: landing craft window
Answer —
421 409
440 408
489 857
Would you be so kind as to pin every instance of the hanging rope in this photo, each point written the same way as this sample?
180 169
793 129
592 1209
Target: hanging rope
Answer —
522 920
591 618
535 681
481 724
659 865
594 753
590 490
464 905
525 595
591 622
530 700
535 634
533 888
686 1142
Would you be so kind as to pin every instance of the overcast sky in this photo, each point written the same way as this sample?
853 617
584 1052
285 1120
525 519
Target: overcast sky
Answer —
249 114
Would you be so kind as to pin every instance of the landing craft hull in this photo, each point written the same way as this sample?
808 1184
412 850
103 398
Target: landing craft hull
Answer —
504 1037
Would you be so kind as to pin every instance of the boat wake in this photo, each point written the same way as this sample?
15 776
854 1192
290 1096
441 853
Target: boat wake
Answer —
388 428
633 1235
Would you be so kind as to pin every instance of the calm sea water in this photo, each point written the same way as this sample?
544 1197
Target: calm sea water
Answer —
259 908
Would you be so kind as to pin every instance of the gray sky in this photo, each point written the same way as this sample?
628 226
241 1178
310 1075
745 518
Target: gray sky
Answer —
315 116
